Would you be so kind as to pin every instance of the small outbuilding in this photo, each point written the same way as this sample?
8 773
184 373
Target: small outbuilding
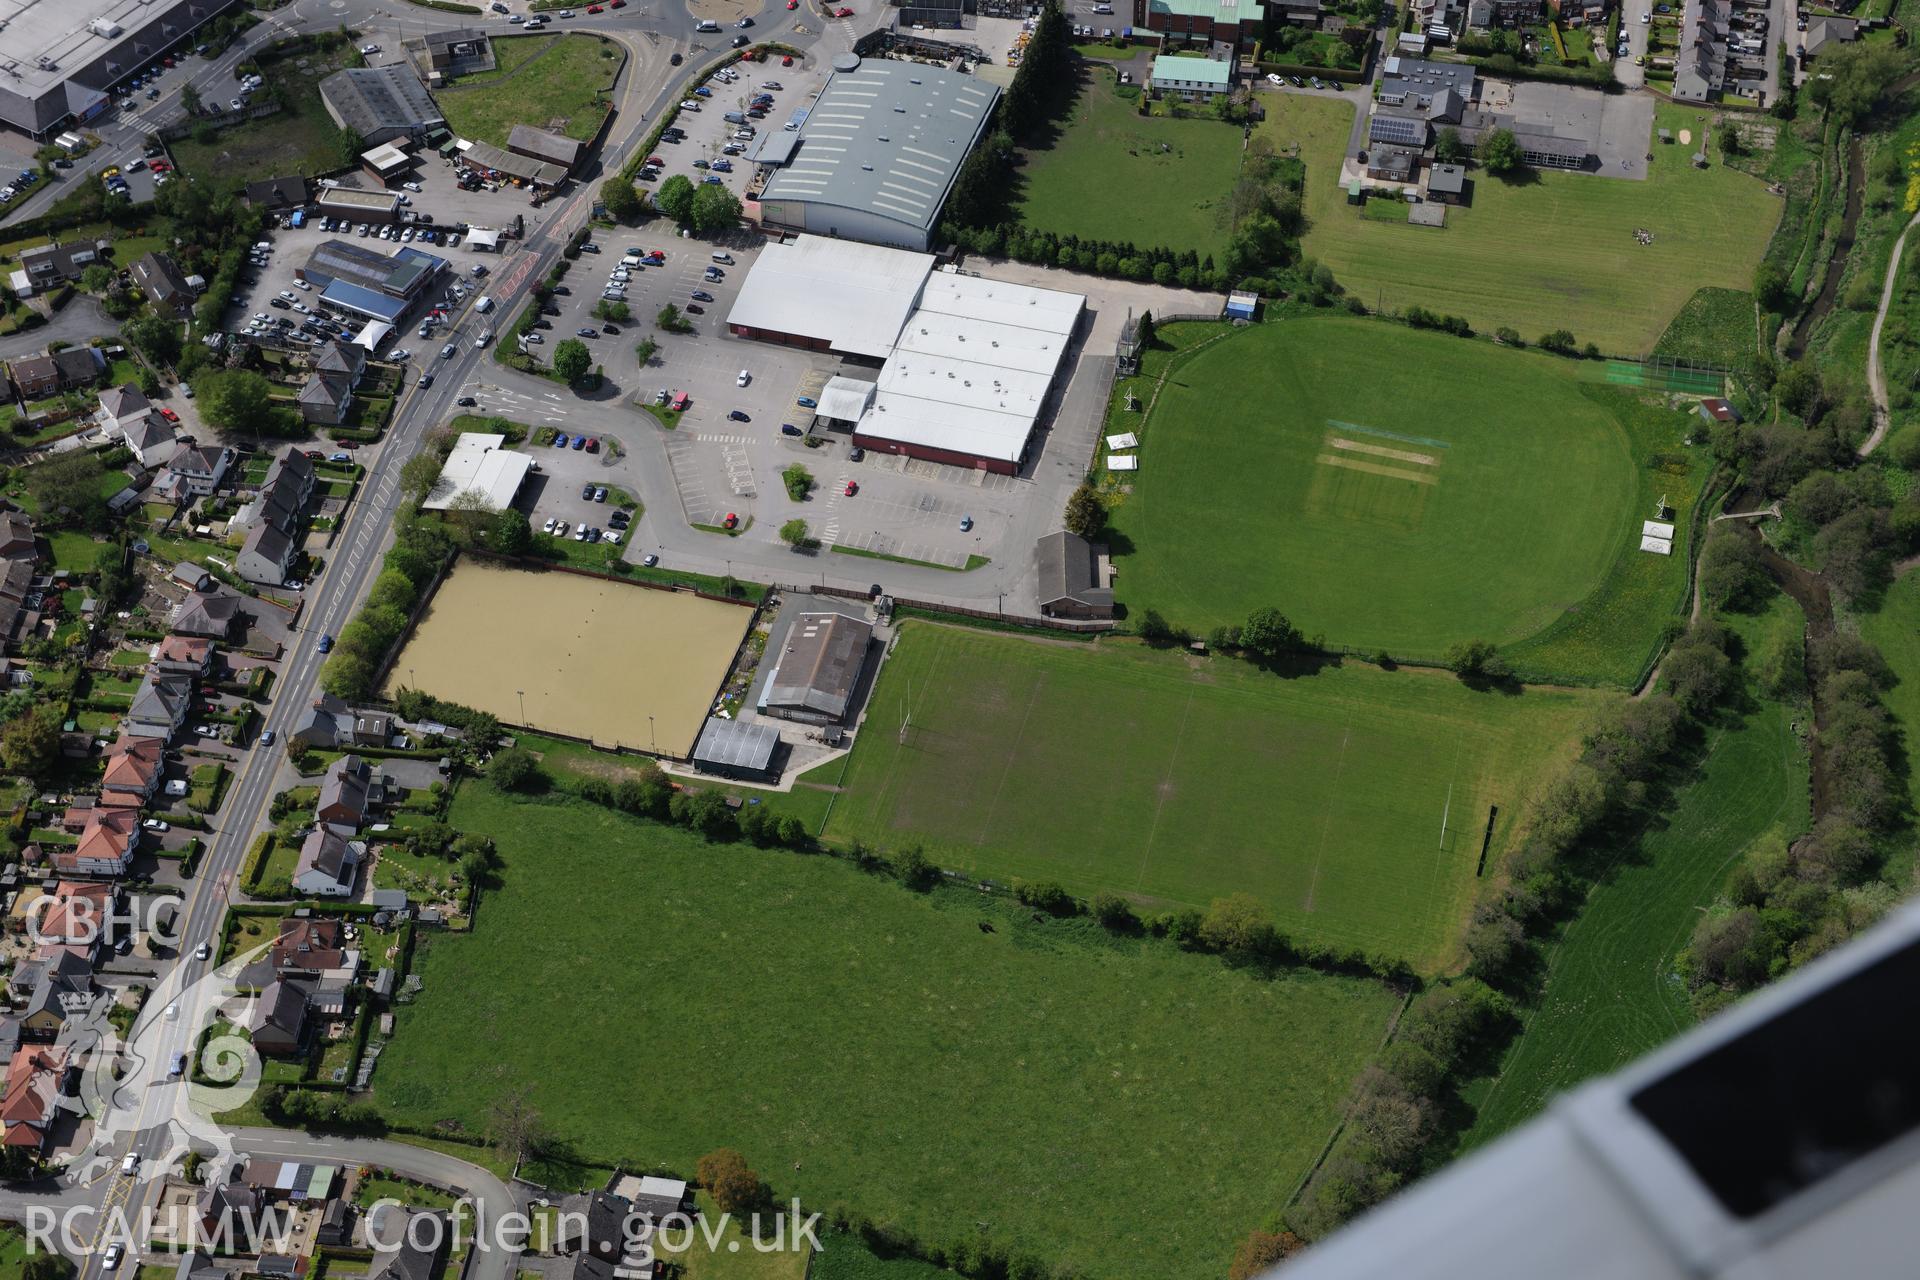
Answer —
1447 183
747 750
817 668
1074 577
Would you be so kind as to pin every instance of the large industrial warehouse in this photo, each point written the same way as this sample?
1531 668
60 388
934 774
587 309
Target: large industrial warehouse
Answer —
877 153
63 63
966 363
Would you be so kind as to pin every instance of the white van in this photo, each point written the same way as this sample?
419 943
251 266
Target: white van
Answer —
486 336
723 257
706 24
484 305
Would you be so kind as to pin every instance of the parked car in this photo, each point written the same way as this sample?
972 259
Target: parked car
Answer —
650 559
584 332
788 429
559 439
743 379
807 402
738 415
853 487
466 401
731 522
966 523
701 295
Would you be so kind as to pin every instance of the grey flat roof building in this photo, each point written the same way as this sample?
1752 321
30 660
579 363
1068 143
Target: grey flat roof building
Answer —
379 103
878 152
1416 82
63 61
735 748
817 667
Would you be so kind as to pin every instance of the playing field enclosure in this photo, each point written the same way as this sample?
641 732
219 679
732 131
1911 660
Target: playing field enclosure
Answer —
617 664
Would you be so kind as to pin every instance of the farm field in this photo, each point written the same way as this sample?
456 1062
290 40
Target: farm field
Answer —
1373 482
623 655
1490 263
1122 769
935 1060
1107 176
1610 993
545 81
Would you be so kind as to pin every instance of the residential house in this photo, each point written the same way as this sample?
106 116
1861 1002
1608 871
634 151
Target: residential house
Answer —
56 264
278 1024
1075 577
195 1265
294 1181
34 377
194 577
184 655
62 989
1483 15
458 50
151 439
196 472
121 405
267 554
343 358
160 705
325 398
1823 32
211 614
330 723
134 769
79 366
327 865
344 794
284 494
236 1217
76 916
165 285
336 1225
36 1080
16 536
275 194
1700 67
311 948
398 1253
106 846
593 1223
16 586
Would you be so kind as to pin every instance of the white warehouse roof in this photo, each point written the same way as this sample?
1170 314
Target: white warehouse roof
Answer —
856 296
481 462
974 365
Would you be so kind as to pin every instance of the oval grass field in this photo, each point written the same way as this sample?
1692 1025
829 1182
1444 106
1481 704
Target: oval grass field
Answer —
1384 487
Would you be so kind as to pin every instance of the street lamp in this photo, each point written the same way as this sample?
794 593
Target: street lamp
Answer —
523 705
650 738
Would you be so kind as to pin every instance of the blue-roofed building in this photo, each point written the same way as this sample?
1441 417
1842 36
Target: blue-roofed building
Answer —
1241 305
363 301
367 281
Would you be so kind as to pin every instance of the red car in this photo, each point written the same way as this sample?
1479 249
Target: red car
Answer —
169 414
594 8
732 521
843 12
347 444
314 455
616 4
593 444
160 166
657 162
853 487
793 4
787 61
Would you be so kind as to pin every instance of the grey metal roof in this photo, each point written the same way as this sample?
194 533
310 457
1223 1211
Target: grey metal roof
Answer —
733 744
885 138
819 663
374 99
1447 179
1066 566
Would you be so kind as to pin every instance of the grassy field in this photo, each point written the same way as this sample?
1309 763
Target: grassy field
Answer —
1715 327
559 84
1113 174
1373 482
300 139
980 1067
731 1255
1495 264
1611 992
1895 630
1128 770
